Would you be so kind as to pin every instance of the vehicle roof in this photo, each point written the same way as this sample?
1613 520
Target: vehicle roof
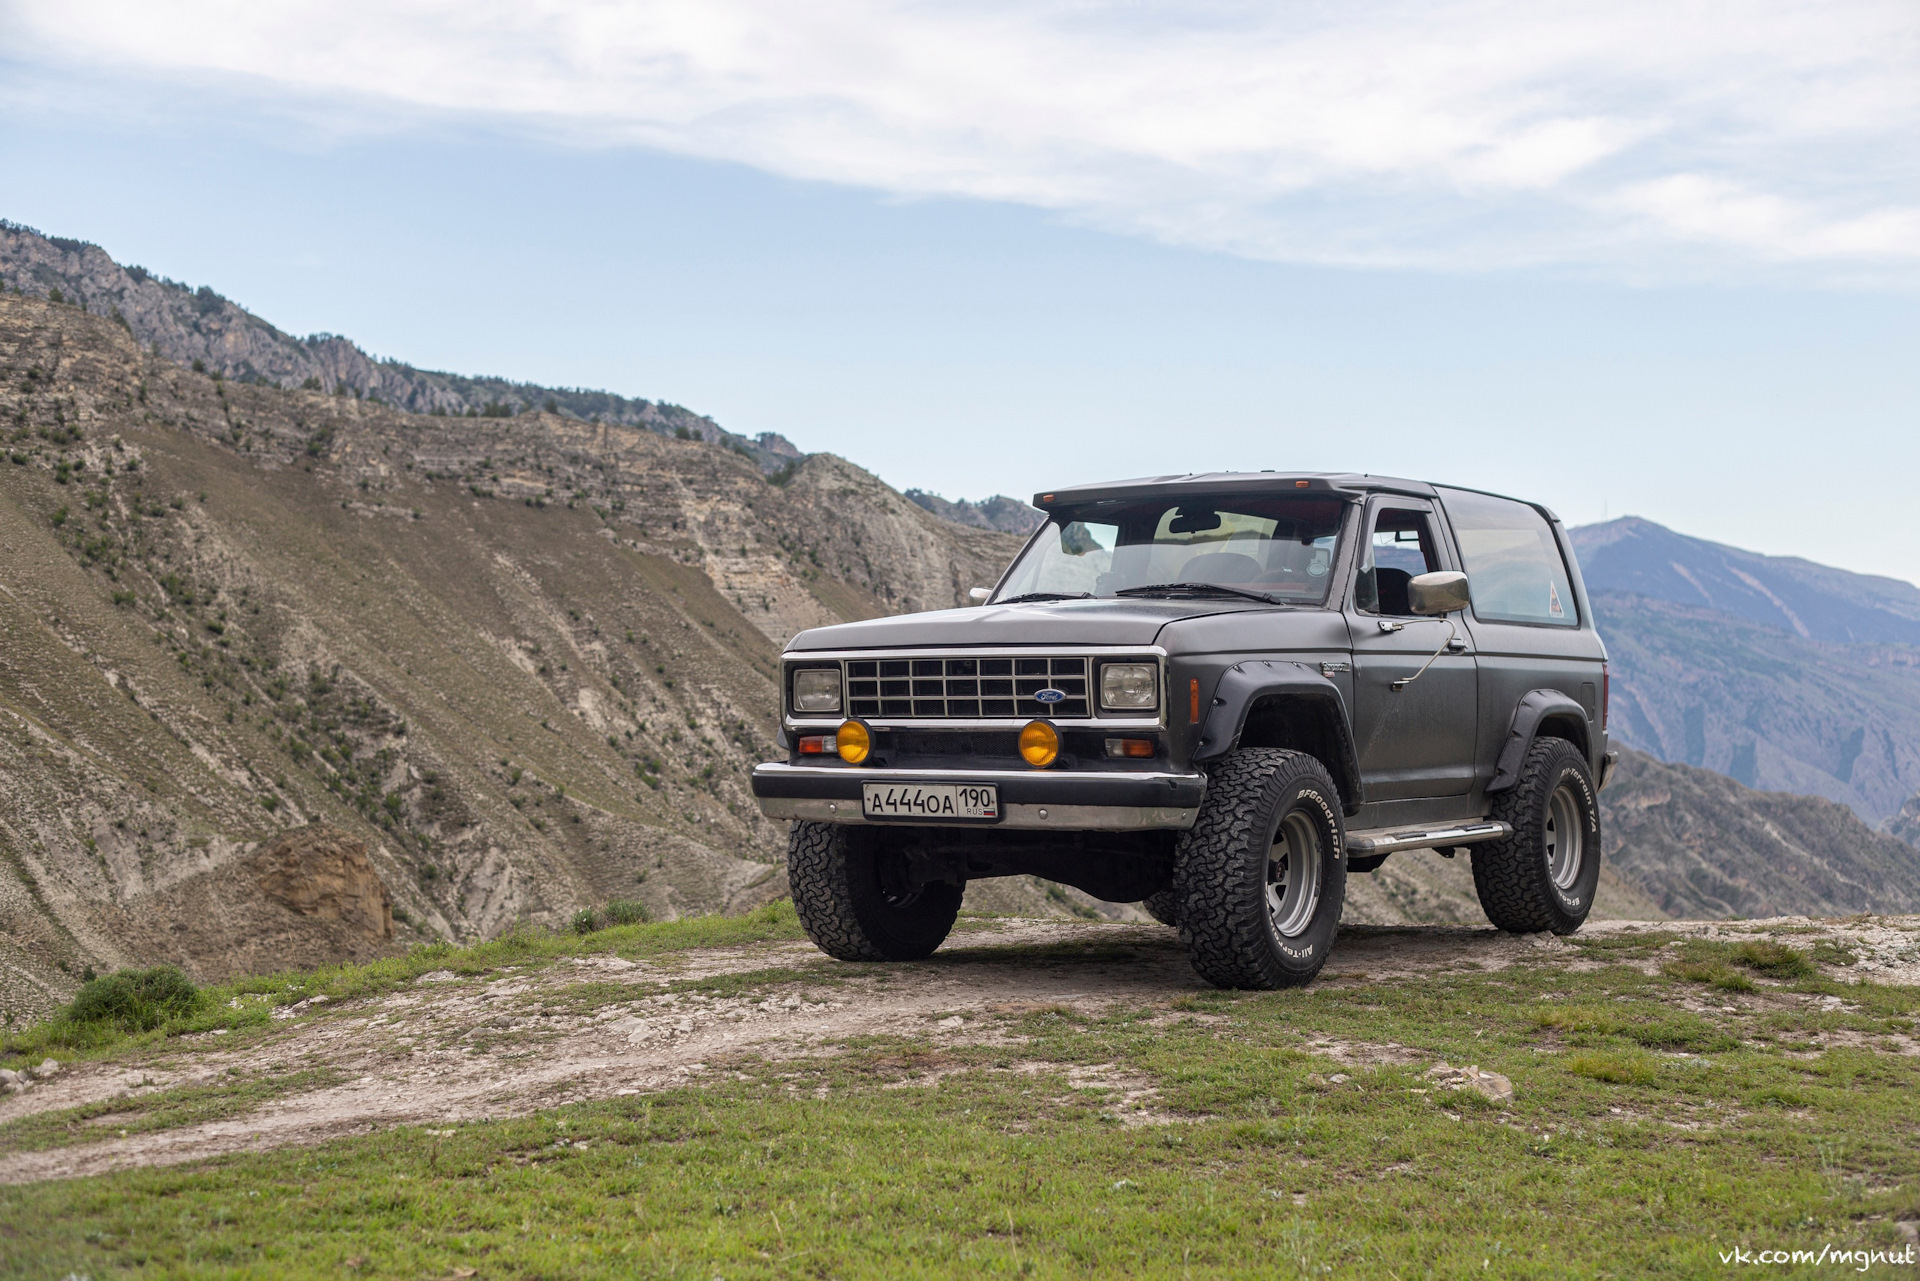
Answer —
1334 484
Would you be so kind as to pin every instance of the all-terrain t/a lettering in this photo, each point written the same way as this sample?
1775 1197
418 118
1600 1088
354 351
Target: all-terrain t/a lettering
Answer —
1304 674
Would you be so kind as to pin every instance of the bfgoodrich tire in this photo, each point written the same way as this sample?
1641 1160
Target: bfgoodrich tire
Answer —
1262 876
1543 877
1164 906
853 899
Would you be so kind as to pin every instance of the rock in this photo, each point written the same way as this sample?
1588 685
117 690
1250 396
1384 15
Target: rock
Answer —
1338 1078
1489 1085
323 872
8 1076
47 1068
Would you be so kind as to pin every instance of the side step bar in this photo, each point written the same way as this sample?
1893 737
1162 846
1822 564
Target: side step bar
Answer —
1385 840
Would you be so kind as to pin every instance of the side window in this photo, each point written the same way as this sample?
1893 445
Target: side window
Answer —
1513 563
1399 547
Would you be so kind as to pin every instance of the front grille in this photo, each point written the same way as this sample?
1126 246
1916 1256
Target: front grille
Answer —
958 688
921 742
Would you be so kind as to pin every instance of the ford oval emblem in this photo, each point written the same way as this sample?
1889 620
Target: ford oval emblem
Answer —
1050 696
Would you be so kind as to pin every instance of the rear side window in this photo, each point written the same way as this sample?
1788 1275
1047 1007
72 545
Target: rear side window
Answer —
1513 564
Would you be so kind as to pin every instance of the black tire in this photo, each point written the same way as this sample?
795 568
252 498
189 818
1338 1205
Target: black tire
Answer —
1534 880
1236 933
850 893
1164 907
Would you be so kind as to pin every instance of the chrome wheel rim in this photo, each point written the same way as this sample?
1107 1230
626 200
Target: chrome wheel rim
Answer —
1293 875
1566 837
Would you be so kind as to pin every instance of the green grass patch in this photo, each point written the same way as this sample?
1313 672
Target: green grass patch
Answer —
1614 1069
897 1157
159 1110
1775 960
1653 1027
1721 964
249 1002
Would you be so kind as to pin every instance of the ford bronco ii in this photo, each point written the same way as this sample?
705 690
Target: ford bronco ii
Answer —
1218 695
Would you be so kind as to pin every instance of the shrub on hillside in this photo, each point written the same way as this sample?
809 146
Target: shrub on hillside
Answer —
627 912
134 1000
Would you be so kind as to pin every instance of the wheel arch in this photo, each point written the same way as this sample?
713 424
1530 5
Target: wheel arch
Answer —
1283 705
1540 713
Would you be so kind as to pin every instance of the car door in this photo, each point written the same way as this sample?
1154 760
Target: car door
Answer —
1415 683
1526 616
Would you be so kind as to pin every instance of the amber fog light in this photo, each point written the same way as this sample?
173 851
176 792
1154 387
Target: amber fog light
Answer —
1039 744
854 742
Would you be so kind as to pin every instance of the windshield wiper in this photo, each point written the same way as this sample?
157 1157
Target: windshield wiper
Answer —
1015 600
1207 589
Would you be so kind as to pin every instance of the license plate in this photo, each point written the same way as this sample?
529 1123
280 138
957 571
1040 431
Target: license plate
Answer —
938 802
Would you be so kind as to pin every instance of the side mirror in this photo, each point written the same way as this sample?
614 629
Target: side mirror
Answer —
978 595
1438 593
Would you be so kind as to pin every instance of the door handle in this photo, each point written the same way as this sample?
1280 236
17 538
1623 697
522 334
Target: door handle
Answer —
1458 645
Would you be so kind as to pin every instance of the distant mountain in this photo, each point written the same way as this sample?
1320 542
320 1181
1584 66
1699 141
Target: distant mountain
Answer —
1763 706
1008 515
1780 673
1701 845
199 327
1636 556
1906 824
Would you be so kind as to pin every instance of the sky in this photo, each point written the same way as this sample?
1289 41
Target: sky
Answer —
1622 258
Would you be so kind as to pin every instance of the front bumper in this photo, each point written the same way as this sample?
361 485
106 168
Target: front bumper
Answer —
1029 799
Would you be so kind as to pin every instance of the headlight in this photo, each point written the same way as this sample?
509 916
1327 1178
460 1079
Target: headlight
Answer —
1128 687
816 689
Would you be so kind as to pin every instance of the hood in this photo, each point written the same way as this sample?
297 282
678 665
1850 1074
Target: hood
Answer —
1063 622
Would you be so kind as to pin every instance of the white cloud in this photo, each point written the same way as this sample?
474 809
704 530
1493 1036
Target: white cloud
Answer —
1477 132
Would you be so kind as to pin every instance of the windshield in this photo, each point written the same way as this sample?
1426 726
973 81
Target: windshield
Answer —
1274 548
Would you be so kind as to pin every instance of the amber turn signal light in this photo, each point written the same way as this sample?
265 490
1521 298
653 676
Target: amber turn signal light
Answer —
1129 747
854 742
1039 744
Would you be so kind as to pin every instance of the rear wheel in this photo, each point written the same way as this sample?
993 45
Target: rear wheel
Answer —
854 898
1261 877
1543 877
1164 907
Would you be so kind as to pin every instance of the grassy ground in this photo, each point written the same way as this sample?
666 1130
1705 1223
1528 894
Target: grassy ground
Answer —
248 1003
1734 1097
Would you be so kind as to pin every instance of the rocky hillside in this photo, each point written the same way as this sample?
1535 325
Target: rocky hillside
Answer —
1701 845
1769 708
1780 673
1008 515
1906 824
528 661
201 329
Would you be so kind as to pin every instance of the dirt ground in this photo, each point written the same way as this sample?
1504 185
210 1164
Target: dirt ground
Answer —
449 1049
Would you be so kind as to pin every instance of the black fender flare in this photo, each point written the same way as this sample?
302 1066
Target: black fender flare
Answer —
1243 685
1534 706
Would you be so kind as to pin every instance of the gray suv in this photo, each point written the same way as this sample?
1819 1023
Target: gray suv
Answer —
1218 695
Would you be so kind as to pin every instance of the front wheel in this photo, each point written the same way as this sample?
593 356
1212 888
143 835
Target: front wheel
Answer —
1262 875
1543 877
854 898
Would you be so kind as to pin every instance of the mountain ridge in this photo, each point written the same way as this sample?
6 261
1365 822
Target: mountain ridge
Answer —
186 326
1783 674
1632 555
